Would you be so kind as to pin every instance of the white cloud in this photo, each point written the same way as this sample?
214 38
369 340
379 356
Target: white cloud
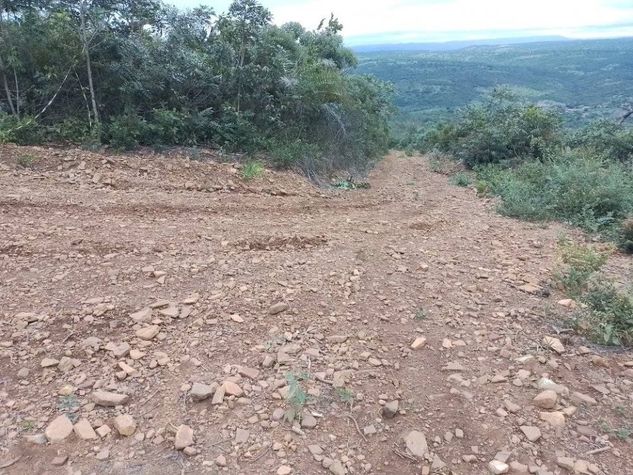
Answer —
442 19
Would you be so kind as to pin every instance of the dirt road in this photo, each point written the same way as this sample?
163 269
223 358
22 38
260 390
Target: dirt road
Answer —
229 307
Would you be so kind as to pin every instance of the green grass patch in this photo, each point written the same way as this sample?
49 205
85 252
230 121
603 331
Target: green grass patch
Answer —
252 170
584 190
462 179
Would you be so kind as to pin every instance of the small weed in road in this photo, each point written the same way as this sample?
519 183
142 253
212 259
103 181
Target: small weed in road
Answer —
26 160
252 170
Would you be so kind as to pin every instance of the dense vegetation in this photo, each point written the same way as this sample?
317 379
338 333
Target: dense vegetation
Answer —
128 73
542 171
583 80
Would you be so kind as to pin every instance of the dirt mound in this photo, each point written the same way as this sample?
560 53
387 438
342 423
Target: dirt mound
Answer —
160 315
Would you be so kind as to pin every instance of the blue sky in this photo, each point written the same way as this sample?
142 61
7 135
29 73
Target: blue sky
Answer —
401 21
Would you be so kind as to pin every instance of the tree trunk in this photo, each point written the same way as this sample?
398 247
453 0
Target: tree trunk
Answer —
84 40
6 87
17 93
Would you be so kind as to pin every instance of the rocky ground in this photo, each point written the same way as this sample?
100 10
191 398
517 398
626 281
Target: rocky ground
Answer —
162 316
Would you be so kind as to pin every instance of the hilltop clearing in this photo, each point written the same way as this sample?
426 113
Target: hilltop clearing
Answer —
160 315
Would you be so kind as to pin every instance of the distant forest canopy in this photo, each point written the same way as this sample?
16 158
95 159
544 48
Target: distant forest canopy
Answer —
140 72
584 80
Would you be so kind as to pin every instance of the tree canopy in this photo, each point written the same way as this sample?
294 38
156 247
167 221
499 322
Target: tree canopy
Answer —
141 72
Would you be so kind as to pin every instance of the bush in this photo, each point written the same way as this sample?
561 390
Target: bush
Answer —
23 131
626 236
462 179
587 191
298 154
127 131
581 263
498 129
72 130
609 315
606 138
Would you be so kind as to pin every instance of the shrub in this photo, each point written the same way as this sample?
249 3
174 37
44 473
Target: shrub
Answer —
583 190
127 131
298 154
581 263
23 131
497 129
626 236
462 179
606 138
608 317
73 130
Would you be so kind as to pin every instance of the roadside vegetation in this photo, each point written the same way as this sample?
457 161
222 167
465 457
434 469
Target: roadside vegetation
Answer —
540 170
141 73
606 311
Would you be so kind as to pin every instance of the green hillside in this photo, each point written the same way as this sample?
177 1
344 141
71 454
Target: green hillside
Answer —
583 79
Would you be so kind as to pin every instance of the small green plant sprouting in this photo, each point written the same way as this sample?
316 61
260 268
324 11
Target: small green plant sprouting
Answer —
420 314
27 426
297 397
461 179
349 184
69 405
26 160
252 170
345 395
623 433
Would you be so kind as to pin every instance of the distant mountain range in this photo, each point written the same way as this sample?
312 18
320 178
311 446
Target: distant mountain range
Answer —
454 45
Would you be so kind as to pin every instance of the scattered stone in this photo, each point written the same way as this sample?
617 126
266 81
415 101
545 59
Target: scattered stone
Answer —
277 308
337 468
554 344
284 470
546 400
241 436
580 398
218 396
148 333
200 392
184 437
119 351
390 409
555 419
497 467
49 362
566 462
142 316
416 444
59 460
531 432
419 342
59 429
232 389
308 421
125 425
109 399
220 461
278 414
84 430
36 439
103 431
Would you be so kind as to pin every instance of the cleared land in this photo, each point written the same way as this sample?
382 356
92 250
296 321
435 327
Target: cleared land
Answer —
221 305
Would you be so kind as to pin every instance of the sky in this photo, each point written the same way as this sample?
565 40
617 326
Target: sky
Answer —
406 21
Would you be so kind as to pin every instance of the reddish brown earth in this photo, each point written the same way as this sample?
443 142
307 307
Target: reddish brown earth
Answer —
87 239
